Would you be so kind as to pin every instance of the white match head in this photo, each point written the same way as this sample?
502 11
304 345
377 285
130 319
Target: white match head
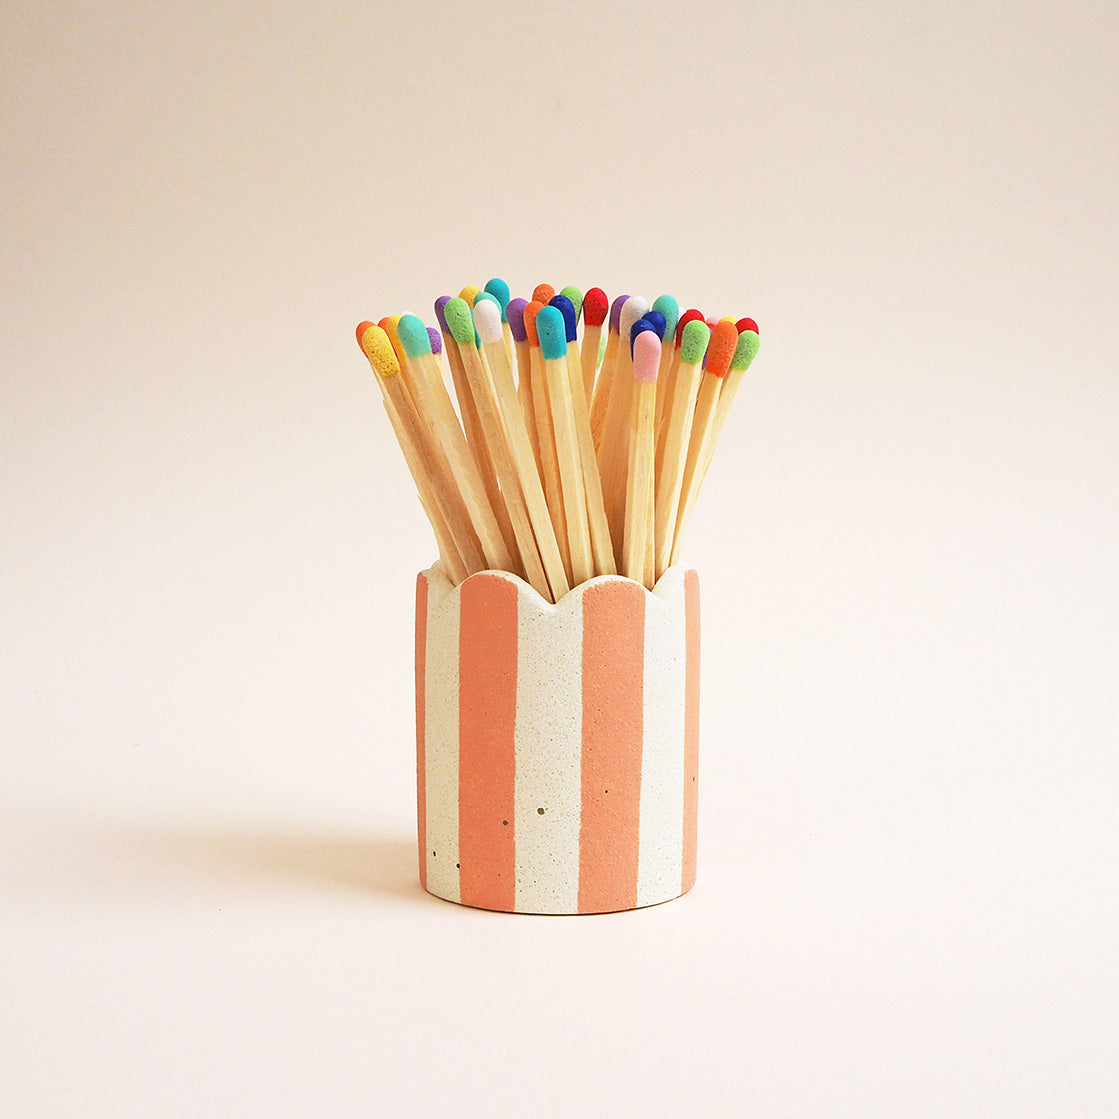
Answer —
487 321
633 309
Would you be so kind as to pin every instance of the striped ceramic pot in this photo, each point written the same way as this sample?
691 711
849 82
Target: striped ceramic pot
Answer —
557 744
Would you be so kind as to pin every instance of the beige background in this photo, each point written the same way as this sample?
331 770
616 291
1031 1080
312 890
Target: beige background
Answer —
908 547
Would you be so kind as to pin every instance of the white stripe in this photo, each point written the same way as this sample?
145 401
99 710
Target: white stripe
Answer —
661 831
441 753
549 749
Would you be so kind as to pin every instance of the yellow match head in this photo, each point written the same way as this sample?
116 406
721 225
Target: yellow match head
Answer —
378 349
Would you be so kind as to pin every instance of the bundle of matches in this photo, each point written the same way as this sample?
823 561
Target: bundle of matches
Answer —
567 457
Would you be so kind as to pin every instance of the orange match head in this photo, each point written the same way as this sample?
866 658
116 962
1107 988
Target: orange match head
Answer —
543 293
724 340
531 311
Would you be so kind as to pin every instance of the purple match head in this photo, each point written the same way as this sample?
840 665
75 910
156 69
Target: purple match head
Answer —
440 304
570 318
436 340
616 313
515 316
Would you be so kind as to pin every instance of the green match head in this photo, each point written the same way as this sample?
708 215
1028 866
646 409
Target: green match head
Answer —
576 297
460 322
746 350
693 342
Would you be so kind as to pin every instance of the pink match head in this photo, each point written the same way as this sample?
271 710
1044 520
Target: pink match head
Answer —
646 357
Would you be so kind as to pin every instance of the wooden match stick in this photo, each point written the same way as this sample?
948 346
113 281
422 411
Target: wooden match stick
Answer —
552 332
646 362
720 350
433 403
503 427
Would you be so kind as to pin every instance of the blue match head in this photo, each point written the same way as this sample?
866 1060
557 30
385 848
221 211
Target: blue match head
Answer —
552 332
639 327
570 316
660 323
413 336
499 289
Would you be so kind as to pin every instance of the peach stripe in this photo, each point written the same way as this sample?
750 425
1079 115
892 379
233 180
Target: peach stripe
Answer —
613 726
421 729
487 762
691 730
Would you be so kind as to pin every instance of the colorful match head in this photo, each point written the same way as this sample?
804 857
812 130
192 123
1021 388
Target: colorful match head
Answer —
531 311
658 321
499 289
469 294
551 329
693 341
413 336
595 307
378 349
460 322
436 340
691 315
642 326
543 293
720 350
634 309
667 306
575 295
389 325
515 315
487 319
646 357
616 313
747 348
570 315
485 297
441 313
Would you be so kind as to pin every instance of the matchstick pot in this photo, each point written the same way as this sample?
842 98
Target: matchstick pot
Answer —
557 745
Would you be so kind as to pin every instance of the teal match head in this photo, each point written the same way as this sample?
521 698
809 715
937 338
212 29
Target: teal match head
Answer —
576 297
413 336
487 297
744 352
693 342
499 289
460 322
552 332
668 307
